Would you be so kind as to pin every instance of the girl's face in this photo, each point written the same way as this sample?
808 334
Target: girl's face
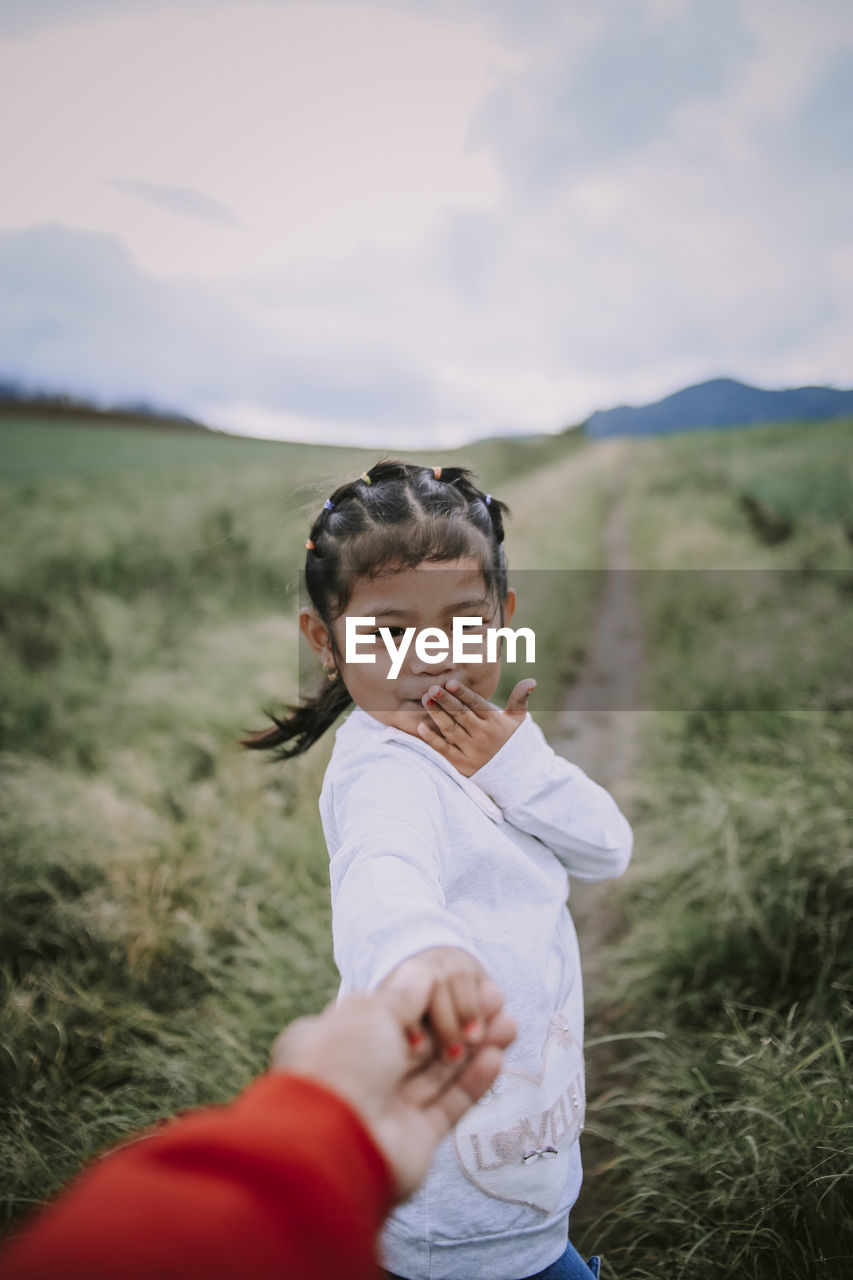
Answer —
430 595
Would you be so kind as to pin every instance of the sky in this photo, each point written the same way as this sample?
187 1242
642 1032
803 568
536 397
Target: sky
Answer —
422 222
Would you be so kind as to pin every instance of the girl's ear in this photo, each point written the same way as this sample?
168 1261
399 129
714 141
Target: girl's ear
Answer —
509 604
315 632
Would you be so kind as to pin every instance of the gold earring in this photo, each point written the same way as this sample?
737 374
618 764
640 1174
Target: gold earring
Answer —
331 672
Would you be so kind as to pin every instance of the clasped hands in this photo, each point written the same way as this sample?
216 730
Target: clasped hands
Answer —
411 1057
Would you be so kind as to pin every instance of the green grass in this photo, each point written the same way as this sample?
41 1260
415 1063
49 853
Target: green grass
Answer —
35 446
722 1122
693 487
734 1152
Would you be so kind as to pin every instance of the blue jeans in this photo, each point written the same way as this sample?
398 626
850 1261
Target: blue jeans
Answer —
570 1266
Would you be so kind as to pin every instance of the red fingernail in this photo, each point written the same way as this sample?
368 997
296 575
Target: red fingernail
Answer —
438 693
430 702
471 1030
414 1037
454 1050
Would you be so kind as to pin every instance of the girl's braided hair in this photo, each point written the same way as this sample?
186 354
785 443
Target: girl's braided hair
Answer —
394 516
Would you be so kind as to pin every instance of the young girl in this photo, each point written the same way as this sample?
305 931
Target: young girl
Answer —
452 829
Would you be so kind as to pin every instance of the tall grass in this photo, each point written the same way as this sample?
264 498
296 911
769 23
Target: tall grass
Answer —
724 1133
728 1133
735 1153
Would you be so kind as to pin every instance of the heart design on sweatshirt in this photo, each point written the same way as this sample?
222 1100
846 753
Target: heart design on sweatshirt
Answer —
515 1145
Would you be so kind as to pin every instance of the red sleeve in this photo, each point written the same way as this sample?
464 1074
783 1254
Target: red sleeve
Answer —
283 1182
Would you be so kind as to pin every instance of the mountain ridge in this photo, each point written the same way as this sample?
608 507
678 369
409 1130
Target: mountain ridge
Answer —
718 402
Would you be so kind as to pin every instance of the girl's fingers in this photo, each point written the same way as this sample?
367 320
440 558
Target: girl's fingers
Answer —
444 1022
480 707
491 1000
465 991
407 992
427 1083
447 711
516 704
435 739
421 1048
455 1016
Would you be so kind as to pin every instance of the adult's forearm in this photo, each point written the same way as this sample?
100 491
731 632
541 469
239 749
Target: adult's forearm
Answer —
284 1181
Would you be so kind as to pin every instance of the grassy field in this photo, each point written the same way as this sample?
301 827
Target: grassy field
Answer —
724 1124
163 894
164 897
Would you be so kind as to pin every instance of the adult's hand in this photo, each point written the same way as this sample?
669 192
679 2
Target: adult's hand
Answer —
408 1096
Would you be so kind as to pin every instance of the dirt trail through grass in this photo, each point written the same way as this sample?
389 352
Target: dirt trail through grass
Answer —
597 727
602 739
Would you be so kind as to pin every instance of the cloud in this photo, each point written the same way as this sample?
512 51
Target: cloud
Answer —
584 104
77 314
596 208
320 127
181 200
20 19
818 135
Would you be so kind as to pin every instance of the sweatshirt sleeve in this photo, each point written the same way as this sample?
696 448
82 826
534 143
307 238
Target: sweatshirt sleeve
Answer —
550 798
388 902
284 1181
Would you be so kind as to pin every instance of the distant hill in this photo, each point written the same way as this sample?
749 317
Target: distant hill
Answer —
722 402
17 401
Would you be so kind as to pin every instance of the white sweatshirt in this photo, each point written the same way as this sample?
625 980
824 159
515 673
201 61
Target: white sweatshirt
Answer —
422 857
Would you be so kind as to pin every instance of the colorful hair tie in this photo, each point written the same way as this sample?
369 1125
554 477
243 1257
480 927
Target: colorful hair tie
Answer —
436 471
488 499
309 545
366 478
328 505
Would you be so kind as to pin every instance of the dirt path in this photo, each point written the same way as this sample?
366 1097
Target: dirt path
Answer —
598 721
598 729
598 724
